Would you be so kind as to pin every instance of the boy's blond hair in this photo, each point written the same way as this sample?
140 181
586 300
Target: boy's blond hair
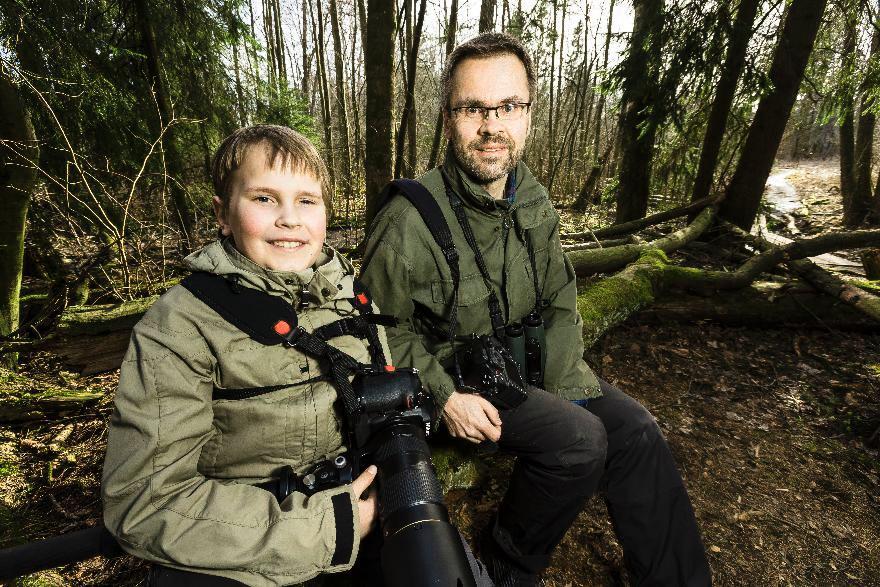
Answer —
282 146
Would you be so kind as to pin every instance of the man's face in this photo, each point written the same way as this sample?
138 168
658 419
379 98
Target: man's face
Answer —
488 148
276 216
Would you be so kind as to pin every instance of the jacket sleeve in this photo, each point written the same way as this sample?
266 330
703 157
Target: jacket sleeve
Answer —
161 509
566 374
387 272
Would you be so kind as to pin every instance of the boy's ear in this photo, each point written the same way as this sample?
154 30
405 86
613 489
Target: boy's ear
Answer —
220 213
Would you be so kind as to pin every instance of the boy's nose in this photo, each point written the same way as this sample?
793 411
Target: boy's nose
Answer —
288 216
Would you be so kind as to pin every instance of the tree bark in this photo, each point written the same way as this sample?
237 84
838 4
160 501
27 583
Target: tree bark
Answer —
324 87
19 156
734 62
851 216
183 209
409 98
487 16
379 68
451 27
638 123
743 194
862 186
341 104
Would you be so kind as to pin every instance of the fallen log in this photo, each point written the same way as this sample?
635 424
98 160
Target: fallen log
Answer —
588 263
634 225
761 305
17 410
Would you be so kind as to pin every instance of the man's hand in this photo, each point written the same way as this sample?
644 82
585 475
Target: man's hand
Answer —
471 417
366 505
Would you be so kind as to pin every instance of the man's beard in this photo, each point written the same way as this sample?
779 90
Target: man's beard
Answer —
486 171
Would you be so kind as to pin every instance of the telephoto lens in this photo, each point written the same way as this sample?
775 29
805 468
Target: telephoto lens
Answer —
421 546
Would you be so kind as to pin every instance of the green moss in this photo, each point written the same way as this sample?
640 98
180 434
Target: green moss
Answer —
867 285
8 468
105 317
612 300
457 466
874 368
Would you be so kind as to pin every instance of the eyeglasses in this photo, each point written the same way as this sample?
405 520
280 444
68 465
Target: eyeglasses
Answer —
506 111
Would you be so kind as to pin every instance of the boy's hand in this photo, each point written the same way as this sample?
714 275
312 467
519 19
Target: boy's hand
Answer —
367 505
471 417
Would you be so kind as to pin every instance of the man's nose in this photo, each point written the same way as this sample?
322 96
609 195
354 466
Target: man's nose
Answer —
491 124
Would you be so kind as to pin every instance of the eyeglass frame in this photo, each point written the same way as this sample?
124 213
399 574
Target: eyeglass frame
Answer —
526 106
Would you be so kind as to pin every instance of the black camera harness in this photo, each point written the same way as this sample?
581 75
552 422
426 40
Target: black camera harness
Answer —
271 320
433 217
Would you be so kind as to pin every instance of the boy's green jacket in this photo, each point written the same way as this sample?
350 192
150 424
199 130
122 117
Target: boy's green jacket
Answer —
409 277
176 484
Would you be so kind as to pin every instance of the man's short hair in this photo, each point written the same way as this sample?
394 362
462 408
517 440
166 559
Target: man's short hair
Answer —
483 46
282 146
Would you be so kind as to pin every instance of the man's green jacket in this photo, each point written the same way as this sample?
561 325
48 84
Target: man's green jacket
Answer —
408 276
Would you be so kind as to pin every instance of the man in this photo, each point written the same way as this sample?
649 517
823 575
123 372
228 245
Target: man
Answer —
564 452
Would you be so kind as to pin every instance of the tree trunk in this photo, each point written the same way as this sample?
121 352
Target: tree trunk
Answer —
341 104
734 63
862 187
183 210
589 194
409 98
379 72
487 16
324 87
19 157
638 123
743 195
306 57
851 216
451 27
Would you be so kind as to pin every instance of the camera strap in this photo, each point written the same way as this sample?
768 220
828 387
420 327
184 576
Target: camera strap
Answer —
495 314
271 320
427 207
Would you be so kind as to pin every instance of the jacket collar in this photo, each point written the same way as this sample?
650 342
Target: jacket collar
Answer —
529 192
331 277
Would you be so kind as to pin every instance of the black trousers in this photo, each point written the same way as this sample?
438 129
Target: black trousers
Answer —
565 453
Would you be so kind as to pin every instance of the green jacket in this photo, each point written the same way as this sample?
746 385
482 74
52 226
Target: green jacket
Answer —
179 465
409 278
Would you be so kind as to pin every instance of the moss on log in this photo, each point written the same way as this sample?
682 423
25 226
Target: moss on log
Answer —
612 300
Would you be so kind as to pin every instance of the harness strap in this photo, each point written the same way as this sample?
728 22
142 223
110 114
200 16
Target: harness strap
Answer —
271 320
495 314
428 208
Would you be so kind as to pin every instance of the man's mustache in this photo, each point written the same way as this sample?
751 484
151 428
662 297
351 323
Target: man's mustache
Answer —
492 140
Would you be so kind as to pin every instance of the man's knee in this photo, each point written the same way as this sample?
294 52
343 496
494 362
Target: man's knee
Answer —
586 452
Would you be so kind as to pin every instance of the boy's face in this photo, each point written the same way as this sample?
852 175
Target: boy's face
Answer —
276 216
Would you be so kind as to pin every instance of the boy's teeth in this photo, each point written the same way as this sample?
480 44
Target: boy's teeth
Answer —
287 244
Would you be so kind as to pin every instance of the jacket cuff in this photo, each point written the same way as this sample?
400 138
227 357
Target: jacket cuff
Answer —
347 529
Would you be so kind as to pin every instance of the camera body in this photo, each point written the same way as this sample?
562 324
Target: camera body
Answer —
486 367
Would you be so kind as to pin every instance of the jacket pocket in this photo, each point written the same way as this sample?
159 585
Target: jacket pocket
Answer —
471 290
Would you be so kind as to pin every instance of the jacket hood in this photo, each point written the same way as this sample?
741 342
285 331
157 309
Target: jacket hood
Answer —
331 277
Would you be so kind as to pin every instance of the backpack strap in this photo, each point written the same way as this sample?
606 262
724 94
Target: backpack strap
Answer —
428 208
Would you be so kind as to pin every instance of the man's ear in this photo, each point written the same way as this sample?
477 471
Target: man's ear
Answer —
447 125
220 213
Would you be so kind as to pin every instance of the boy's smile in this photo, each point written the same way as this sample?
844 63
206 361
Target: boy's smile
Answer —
276 215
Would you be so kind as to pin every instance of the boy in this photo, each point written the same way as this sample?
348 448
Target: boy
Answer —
204 413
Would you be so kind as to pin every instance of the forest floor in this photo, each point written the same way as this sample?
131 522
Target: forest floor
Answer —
775 432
